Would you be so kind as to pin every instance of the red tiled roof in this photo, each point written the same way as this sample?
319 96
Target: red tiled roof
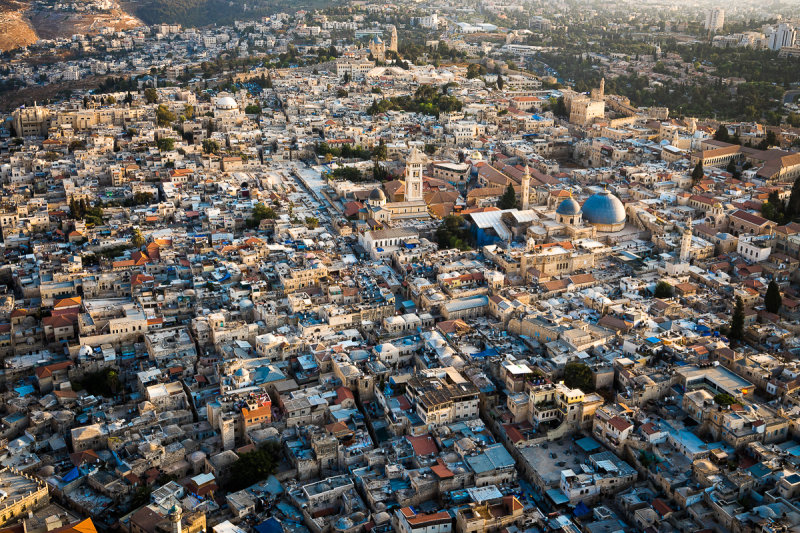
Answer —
423 444
619 424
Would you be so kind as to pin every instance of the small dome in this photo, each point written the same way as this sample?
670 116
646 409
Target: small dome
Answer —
377 195
376 40
568 207
227 103
604 208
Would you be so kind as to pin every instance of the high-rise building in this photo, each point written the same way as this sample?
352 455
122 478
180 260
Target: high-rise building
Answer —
715 19
785 35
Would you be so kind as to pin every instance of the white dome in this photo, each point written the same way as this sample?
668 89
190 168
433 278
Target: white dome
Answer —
227 103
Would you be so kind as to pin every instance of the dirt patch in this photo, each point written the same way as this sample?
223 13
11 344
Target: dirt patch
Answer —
55 24
15 28
21 26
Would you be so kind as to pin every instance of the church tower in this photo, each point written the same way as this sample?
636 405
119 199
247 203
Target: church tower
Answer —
393 40
686 243
378 49
414 165
526 188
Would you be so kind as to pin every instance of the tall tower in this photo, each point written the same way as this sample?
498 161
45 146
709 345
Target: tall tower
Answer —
715 20
686 243
602 88
393 40
526 188
174 517
414 165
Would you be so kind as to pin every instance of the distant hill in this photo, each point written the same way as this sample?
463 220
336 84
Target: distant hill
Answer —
15 28
22 22
193 13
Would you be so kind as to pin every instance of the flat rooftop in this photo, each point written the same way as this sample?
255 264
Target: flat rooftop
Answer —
545 459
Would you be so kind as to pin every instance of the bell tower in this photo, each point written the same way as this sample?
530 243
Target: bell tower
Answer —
414 165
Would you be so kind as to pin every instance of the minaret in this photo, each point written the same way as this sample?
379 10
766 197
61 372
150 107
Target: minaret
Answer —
602 88
393 40
174 516
414 165
526 188
686 243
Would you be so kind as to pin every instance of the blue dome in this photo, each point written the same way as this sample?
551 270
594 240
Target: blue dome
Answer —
568 207
603 208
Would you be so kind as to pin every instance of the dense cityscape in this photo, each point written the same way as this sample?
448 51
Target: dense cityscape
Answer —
425 266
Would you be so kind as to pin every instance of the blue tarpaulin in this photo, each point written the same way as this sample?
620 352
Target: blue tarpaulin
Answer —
270 525
581 509
24 390
72 475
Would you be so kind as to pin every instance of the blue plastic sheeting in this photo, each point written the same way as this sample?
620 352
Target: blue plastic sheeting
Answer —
24 390
72 475
581 509
271 525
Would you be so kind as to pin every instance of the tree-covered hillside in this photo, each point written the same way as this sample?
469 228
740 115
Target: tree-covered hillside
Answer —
191 13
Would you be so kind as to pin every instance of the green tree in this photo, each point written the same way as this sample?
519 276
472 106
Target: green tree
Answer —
500 82
255 466
312 222
164 117
347 173
141 496
663 290
509 198
736 331
452 233
210 146
260 212
379 173
150 95
475 70
722 134
724 399
137 239
774 209
380 152
772 298
188 111
579 376
252 109
793 206
165 144
698 173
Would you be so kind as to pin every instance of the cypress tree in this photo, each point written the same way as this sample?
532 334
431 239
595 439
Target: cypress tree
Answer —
509 199
772 298
697 173
737 320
